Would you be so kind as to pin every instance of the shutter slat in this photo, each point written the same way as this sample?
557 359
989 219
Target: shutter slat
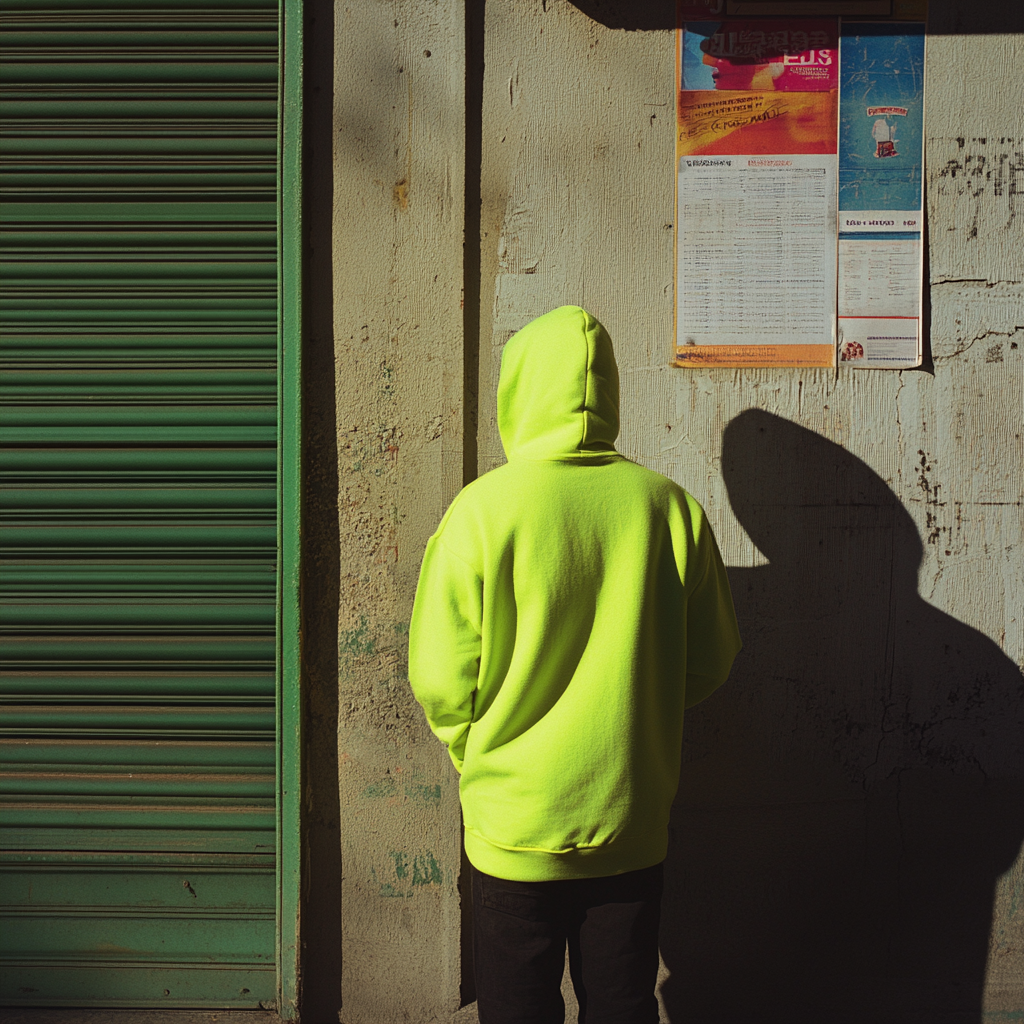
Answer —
133 754
69 687
84 718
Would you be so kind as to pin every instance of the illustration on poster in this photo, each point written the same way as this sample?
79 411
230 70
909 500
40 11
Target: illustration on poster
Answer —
747 60
884 135
883 131
759 55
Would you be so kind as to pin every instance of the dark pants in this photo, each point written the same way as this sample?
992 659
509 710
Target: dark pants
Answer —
520 931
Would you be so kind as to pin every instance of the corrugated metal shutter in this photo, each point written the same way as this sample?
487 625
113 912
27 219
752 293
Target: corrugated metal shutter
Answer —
139 504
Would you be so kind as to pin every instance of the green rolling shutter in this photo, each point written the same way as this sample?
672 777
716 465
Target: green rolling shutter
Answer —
139 503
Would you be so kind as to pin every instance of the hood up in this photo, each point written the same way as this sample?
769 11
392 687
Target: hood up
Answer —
558 393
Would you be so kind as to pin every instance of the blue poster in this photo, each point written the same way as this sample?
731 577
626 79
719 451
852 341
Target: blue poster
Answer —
881 127
881 157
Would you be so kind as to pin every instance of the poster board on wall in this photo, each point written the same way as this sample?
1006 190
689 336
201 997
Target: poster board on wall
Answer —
773 150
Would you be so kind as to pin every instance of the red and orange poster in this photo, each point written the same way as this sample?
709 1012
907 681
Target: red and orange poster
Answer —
756 123
756 157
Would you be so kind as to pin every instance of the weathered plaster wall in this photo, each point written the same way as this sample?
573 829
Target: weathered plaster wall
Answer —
398 230
847 838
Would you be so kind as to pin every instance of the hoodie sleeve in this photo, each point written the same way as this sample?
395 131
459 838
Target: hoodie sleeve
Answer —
444 644
712 634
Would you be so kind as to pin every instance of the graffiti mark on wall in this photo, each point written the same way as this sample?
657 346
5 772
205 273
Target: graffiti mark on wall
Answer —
407 874
419 793
988 170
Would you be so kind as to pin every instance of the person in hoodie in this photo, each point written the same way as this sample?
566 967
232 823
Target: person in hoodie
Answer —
570 606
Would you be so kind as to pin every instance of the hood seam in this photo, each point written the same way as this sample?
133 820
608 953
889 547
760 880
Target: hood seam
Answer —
586 382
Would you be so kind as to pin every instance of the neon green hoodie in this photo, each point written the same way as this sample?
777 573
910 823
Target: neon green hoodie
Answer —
570 605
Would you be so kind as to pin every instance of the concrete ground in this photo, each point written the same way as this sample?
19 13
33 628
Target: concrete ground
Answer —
10 1015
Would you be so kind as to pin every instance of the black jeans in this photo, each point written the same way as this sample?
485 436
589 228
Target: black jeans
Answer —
520 931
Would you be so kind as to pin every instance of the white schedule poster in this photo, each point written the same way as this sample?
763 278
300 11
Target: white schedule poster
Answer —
756 257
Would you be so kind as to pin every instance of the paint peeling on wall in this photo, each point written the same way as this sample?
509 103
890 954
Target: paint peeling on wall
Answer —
407 876
394 792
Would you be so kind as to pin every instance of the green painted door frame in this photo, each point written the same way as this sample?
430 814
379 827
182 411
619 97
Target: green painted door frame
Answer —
289 353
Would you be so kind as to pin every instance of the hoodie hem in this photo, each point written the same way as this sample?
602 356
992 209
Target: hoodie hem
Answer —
516 864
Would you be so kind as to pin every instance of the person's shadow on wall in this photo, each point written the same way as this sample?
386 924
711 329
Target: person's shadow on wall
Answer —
851 796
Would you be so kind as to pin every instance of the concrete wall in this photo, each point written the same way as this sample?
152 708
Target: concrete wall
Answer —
847 837
398 233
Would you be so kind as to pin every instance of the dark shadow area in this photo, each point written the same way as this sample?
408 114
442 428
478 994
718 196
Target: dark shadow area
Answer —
320 983
850 797
475 24
967 17
631 15
467 981
927 363
945 17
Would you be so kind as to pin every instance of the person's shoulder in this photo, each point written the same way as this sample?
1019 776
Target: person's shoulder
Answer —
673 500
476 497
484 486
655 482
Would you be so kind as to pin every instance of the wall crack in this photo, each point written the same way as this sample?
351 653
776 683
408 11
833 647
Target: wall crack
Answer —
978 337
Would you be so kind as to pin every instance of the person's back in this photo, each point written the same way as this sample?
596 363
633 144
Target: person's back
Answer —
571 604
